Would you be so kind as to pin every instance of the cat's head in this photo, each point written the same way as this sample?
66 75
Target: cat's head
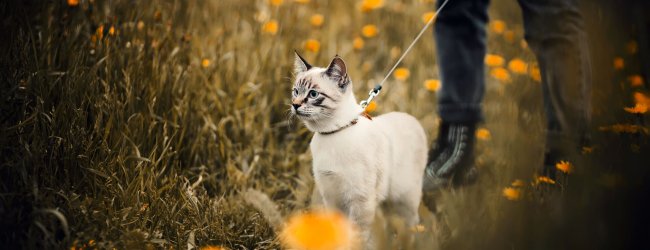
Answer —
320 95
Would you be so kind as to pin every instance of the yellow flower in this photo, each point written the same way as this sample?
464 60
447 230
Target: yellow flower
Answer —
512 194
632 47
369 30
432 84
111 31
205 63
213 248
312 45
493 60
619 63
368 5
544 179
73 2
635 80
639 108
402 74
518 66
498 26
500 74
276 2
517 183
316 20
358 43
427 16
483 134
564 166
372 106
270 27
318 230
535 73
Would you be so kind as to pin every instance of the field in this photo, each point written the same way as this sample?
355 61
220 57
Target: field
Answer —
164 124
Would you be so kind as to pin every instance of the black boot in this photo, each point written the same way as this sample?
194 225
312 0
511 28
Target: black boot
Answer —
452 156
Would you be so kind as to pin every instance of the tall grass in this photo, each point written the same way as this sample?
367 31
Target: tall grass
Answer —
149 134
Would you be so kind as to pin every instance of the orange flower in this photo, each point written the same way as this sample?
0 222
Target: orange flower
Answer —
270 27
641 98
372 106
368 5
498 26
493 60
639 108
518 66
402 74
316 20
205 63
111 30
432 85
302 1
100 32
512 194
73 3
564 166
276 2
619 63
369 30
427 16
318 230
535 73
517 183
635 80
483 134
213 248
544 179
358 43
500 74
312 45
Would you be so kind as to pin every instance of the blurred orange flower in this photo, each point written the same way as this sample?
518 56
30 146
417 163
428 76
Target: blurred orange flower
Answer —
369 30
205 63
427 16
316 20
518 66
587 150
402 74
512 194
517 183
73 2
535 73
544 179
270 27
301 1
635 80
276 2
213 248
500 74
358 43
641 98
639 108
100 32
493 60
619 63
111 30
312 45
432 85
483 134
317 230
372 106
564 166
368 5
498 26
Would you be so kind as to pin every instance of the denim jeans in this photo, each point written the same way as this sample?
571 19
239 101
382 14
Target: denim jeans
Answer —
554 31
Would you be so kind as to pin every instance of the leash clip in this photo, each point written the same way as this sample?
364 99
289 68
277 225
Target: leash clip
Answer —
371 95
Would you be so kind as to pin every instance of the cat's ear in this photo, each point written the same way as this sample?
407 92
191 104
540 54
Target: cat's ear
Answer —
300 64
338 72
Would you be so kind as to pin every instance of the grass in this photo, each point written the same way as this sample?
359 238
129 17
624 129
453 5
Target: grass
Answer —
150 135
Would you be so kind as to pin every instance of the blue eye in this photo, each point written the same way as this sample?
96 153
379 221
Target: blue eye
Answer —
313 94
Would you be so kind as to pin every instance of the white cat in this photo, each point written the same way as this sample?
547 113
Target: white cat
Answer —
358 161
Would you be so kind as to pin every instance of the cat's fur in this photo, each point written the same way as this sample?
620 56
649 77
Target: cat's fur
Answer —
358 166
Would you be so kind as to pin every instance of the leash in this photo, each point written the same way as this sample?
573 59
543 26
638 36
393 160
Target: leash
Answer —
375 91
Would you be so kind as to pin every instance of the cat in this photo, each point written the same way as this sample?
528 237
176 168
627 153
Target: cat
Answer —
359 162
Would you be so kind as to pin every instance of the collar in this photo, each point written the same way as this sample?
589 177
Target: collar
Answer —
350 124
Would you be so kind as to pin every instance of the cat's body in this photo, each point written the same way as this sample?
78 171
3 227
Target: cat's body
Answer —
358 161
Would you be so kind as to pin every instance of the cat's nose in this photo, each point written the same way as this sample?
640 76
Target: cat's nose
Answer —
295 106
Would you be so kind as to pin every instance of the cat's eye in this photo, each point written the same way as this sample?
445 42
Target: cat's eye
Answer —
313 93
295 91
